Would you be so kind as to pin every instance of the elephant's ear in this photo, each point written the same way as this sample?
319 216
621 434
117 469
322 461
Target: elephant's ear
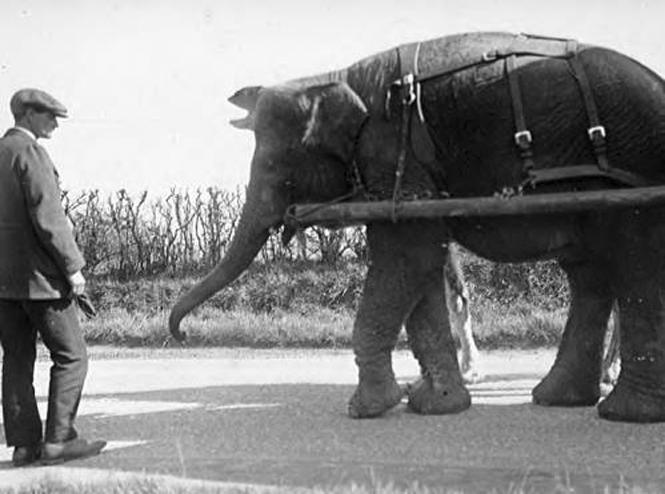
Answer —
246 98
336 114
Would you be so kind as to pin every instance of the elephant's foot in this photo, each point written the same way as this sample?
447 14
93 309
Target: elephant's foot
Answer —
471 372
372 400
432 398
626 405
472 376
564 388
630 402
610 374
606 388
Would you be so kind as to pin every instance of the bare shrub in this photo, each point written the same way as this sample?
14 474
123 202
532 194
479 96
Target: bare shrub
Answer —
125 236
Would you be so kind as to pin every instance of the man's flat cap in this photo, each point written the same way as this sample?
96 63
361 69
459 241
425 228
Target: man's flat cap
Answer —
36 98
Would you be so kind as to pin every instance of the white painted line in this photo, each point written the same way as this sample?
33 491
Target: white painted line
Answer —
111 407
122 444
243 406
102 408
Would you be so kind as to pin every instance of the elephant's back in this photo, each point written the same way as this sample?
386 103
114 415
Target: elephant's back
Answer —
472 112
454 52
631 105
458 50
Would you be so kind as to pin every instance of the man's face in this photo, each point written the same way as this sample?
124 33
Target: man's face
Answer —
42 122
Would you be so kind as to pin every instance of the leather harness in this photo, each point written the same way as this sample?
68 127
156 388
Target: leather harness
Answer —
408 86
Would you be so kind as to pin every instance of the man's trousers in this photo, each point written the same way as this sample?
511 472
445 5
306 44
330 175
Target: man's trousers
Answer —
57 323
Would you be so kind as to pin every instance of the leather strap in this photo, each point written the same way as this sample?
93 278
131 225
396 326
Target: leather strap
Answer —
596 131
520 45
523 138
562 173
408 58
401 157
410 93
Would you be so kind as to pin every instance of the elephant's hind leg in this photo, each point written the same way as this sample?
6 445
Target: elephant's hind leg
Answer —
574 379
440 389
639 395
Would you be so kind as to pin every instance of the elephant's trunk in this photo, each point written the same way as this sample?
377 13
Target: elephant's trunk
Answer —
252 232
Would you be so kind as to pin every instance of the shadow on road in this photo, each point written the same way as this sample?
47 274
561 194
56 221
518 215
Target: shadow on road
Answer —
300 435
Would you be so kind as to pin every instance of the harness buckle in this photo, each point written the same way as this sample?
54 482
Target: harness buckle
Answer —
596 132
523 139
408 82
490 56
409 89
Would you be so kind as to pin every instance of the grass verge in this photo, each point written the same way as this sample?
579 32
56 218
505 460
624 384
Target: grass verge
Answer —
519 327
312 305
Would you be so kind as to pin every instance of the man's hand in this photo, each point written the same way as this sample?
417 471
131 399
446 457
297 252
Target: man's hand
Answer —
78 283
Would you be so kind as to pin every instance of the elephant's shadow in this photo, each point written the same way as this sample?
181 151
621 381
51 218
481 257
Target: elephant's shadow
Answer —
299 434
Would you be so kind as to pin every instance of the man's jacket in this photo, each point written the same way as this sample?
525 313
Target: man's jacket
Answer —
37 246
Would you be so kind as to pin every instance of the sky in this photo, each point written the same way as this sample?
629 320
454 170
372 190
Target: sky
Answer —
146 82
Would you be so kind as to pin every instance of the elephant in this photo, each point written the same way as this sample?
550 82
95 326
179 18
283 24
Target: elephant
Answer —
473 115
611 356
470 362
457 302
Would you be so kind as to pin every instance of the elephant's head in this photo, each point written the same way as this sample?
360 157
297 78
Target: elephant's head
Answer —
305 139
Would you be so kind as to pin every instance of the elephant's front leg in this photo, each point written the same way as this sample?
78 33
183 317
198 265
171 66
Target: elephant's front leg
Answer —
440 389
382 309
574 379
401 258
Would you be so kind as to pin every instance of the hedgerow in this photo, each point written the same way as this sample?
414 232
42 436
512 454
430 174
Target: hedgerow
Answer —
142 252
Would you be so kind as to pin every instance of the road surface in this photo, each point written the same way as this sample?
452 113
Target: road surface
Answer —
279 418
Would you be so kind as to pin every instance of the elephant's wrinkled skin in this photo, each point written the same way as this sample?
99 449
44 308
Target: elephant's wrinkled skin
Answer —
310 131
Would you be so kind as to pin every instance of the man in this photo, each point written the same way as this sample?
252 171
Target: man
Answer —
40 276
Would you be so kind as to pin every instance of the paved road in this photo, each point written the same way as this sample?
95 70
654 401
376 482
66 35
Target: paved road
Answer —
279 418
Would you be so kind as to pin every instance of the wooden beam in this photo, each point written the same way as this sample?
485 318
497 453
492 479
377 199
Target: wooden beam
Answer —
354 213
